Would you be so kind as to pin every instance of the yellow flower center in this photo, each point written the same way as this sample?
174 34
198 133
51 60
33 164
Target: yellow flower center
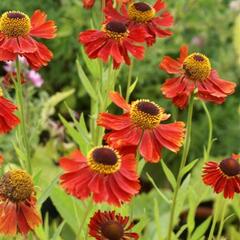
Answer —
1 92
104 160
116 30
16 185
15 24
145 114
197 67
140 12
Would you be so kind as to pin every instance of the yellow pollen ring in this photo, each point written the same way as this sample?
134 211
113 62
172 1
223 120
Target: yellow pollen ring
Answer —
15 24
103 168
140 16
115 35
145 120
1 92
16 185
197 67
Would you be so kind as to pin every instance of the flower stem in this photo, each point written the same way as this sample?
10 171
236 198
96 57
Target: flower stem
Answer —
224 207
186 148
129 79
85 216
23 126
215 217
210 130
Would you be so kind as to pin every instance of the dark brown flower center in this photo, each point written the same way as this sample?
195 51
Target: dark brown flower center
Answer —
198 58
116 27
112 230
105 156
142 7
16 185
148 107
230 167
15 15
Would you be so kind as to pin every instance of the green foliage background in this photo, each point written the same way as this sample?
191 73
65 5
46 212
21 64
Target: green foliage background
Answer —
207 26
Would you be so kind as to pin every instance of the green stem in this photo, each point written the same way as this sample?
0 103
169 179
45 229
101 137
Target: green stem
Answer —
210 131
129 79
224 207
85 216
186 148
215 217
23 126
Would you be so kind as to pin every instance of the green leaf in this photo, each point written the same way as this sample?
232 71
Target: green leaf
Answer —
169 174
188 167
133 85
85 81
65 206
49 106
46 193
201 229
58 231
161 194
74 134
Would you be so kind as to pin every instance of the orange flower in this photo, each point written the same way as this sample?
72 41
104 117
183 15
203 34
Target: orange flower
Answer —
16 37
107 174
224 176
194 72
1 160
18 213
141 126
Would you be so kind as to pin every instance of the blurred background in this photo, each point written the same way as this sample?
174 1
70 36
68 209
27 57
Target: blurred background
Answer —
211 27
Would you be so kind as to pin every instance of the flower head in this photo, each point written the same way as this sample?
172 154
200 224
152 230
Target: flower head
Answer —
153 19
8 120
17 30
105 173
141 126
224 176
112 226
194 72
17 203
115 40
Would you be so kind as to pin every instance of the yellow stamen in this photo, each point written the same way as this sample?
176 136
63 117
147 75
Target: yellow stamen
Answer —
146 114
15 24
104 160
141 12
16 185
197 67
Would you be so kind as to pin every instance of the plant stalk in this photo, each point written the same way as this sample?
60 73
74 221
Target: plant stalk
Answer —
186 148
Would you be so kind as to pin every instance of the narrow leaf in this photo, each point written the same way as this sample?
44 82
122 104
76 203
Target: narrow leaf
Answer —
169 175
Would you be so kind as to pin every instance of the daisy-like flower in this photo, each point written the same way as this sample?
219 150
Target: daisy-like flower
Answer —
111 226
153 19
141 126
16 37
115 40
8 120
224 176
194 72
18 212
105 173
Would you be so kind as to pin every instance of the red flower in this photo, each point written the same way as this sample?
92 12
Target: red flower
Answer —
114 40
18 213
88 3
194 71
224 176
7 119
109 225
16 37
141 126
110 176
143 15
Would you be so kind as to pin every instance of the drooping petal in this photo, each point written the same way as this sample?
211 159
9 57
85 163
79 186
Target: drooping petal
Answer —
41 27
119 101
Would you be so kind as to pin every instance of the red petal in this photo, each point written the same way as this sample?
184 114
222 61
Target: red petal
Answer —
149 147
119 101
42 28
